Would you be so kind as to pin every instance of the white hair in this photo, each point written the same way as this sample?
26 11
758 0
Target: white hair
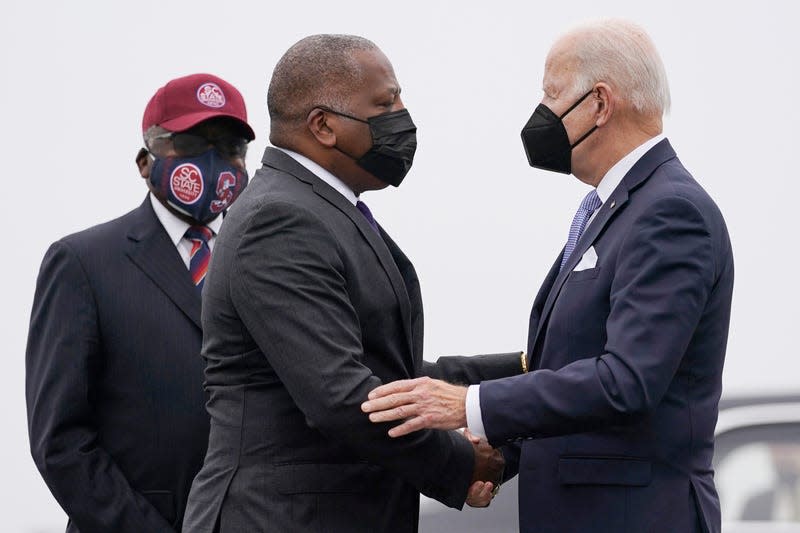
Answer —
621 54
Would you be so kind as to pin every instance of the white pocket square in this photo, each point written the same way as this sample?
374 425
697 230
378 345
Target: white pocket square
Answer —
589 260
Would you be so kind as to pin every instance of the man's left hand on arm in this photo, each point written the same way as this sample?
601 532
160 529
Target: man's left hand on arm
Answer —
421 403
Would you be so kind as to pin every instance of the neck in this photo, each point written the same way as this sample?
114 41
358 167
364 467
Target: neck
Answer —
613 145
338 163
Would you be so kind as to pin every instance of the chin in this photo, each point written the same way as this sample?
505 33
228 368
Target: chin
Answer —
373 184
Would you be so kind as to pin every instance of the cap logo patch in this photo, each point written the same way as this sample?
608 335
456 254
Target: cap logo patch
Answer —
210 95
186 183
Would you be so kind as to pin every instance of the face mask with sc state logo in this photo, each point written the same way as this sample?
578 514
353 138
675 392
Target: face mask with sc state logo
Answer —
200 187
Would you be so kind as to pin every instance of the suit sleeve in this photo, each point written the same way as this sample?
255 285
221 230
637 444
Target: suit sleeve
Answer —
64 348
471 370
289 288
664 275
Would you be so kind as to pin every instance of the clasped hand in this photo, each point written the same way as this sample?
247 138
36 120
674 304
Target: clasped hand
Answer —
488 472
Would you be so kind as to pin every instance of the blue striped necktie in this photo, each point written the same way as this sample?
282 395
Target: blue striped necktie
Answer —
588 206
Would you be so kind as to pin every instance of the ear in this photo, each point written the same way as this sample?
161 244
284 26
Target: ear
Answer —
144 161
317 123
605 100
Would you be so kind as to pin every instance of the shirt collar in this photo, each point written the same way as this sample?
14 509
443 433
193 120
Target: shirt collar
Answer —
324 175
618 171
175 227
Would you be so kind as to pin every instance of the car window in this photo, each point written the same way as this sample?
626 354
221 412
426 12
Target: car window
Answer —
758 473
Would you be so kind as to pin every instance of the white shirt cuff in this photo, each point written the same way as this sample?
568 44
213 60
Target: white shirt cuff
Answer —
474 417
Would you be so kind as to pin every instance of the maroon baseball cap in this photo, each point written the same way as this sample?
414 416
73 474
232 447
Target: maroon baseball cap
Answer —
187 101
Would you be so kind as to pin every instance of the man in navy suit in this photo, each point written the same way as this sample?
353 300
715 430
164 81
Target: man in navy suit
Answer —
114 377
613 426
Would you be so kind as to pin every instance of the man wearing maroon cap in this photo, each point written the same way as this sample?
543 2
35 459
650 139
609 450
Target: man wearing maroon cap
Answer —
114 376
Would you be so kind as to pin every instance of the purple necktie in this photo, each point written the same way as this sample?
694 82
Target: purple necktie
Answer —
200 254
588 206
368 215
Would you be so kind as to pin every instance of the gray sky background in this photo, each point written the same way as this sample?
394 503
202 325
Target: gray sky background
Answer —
481 226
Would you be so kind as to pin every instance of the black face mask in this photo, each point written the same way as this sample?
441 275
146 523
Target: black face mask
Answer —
546 141
394 141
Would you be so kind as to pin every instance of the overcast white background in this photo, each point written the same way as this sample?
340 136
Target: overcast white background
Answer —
481 226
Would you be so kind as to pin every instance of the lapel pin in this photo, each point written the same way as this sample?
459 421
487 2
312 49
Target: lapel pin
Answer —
613 203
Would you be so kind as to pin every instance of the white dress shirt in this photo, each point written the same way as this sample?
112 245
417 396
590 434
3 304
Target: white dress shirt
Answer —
176 228
340 186
607 184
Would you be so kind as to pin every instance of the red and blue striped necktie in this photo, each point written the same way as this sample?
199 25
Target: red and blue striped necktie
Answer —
200 254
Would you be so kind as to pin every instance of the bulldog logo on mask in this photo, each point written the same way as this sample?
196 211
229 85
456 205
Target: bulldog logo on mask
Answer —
199 187
226 186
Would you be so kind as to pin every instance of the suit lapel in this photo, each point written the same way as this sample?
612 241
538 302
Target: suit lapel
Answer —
280 161
411 285
637 175
538 306
151 250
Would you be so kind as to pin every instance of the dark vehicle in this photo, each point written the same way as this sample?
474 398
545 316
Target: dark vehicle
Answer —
757 465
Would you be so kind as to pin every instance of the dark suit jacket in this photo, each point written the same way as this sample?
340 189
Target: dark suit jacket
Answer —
618 417
306 309
114 377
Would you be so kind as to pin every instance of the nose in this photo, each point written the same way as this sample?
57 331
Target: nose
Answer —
398 104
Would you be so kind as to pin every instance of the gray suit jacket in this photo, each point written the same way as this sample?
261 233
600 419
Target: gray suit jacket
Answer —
306 309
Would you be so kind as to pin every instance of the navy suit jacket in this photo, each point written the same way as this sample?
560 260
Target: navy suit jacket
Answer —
114 377
614 425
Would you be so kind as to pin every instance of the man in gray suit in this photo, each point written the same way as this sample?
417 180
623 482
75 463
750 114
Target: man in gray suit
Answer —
308 306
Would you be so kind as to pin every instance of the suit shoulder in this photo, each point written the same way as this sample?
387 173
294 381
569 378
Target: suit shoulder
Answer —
273 185
112 229
672 182
102 241
673 195
276 194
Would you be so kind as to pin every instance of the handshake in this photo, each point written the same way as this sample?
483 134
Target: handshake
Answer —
426 403
487 474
